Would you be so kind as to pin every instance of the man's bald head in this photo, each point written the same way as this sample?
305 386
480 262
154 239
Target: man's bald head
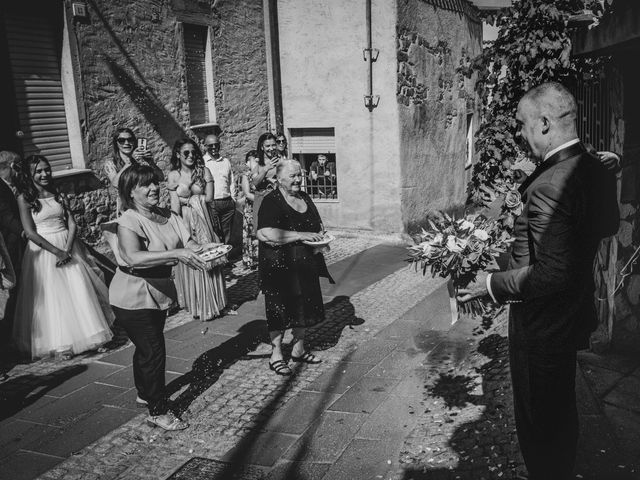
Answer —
546 118
552 100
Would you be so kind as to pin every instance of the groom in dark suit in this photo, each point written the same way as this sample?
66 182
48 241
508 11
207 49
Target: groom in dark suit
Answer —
569 205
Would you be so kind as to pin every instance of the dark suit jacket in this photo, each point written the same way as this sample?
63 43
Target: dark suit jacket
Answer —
570 204
10 224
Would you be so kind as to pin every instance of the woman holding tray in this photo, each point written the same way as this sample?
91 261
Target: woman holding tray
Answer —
289 267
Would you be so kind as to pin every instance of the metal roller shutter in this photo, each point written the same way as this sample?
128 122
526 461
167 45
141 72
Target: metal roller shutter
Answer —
195 41
35 70
313 140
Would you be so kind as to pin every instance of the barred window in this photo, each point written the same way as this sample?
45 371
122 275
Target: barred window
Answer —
315 149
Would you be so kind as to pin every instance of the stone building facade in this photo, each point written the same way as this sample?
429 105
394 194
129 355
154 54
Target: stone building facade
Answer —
125 64
174 68
617 269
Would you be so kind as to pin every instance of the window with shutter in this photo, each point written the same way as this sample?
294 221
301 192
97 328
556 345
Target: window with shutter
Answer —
34 48
197 52
315 149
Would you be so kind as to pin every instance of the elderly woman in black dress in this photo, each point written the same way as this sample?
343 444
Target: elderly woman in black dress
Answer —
289 268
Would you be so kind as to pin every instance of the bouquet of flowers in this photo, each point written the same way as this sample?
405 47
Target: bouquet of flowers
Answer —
458 249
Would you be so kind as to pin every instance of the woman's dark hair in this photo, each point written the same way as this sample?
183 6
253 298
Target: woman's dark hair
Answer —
22 174
285 152
136 175
264 137
197 176
250 153
117 160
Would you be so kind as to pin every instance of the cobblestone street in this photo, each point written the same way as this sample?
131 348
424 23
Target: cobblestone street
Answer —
400 395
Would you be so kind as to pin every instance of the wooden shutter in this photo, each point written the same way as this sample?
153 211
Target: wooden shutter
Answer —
313 140
195 46
34 60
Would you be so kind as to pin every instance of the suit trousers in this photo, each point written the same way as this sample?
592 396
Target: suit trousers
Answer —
145 329
223 211
546 415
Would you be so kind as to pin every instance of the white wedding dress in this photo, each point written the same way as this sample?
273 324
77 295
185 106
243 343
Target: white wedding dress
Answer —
59 309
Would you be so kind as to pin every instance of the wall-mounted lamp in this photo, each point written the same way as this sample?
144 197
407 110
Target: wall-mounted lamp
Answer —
371 101
370 53
79 9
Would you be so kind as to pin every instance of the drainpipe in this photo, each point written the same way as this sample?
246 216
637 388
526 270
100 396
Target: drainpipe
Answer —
370 54
274 77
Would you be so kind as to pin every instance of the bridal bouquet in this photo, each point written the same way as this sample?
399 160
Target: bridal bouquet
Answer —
458 249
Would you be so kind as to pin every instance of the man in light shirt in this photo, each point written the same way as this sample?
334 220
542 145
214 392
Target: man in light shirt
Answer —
223 206
569 205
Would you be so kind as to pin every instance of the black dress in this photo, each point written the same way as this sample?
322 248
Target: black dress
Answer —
289 274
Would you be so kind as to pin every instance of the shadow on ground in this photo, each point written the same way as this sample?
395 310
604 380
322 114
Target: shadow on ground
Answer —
209 366
477 457
20 392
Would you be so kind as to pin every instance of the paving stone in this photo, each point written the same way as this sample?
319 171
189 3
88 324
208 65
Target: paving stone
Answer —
587 402
69 409
626 394
186 332
66 441
623 363
392 420
298 471
262 449
15 435
397 364
600 380
26 465
122 357
364 268
93 372
364 459
326 438
372 352
597 451
339 378
627 430
365 395
178 365
296 416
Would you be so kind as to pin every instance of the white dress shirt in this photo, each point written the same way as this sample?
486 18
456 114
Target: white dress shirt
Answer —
224 184
548 155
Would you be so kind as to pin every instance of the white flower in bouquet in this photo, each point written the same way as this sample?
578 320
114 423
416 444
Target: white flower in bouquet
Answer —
480 234
466 224
455 244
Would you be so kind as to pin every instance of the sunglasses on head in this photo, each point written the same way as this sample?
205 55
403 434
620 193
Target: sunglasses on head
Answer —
217 144
123 140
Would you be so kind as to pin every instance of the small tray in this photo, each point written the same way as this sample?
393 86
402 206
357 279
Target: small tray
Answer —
325 241
215 253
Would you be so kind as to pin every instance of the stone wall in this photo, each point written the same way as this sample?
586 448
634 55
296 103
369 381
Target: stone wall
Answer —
434 38
130 72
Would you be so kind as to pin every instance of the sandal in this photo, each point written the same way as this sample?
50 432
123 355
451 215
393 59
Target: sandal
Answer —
280 367
307 357
168 422
66 355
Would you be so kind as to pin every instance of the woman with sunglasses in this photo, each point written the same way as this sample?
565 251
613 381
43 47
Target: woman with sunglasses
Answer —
190 184
281 146
126 153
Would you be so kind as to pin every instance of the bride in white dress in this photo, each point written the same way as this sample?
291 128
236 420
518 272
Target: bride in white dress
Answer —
63 304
